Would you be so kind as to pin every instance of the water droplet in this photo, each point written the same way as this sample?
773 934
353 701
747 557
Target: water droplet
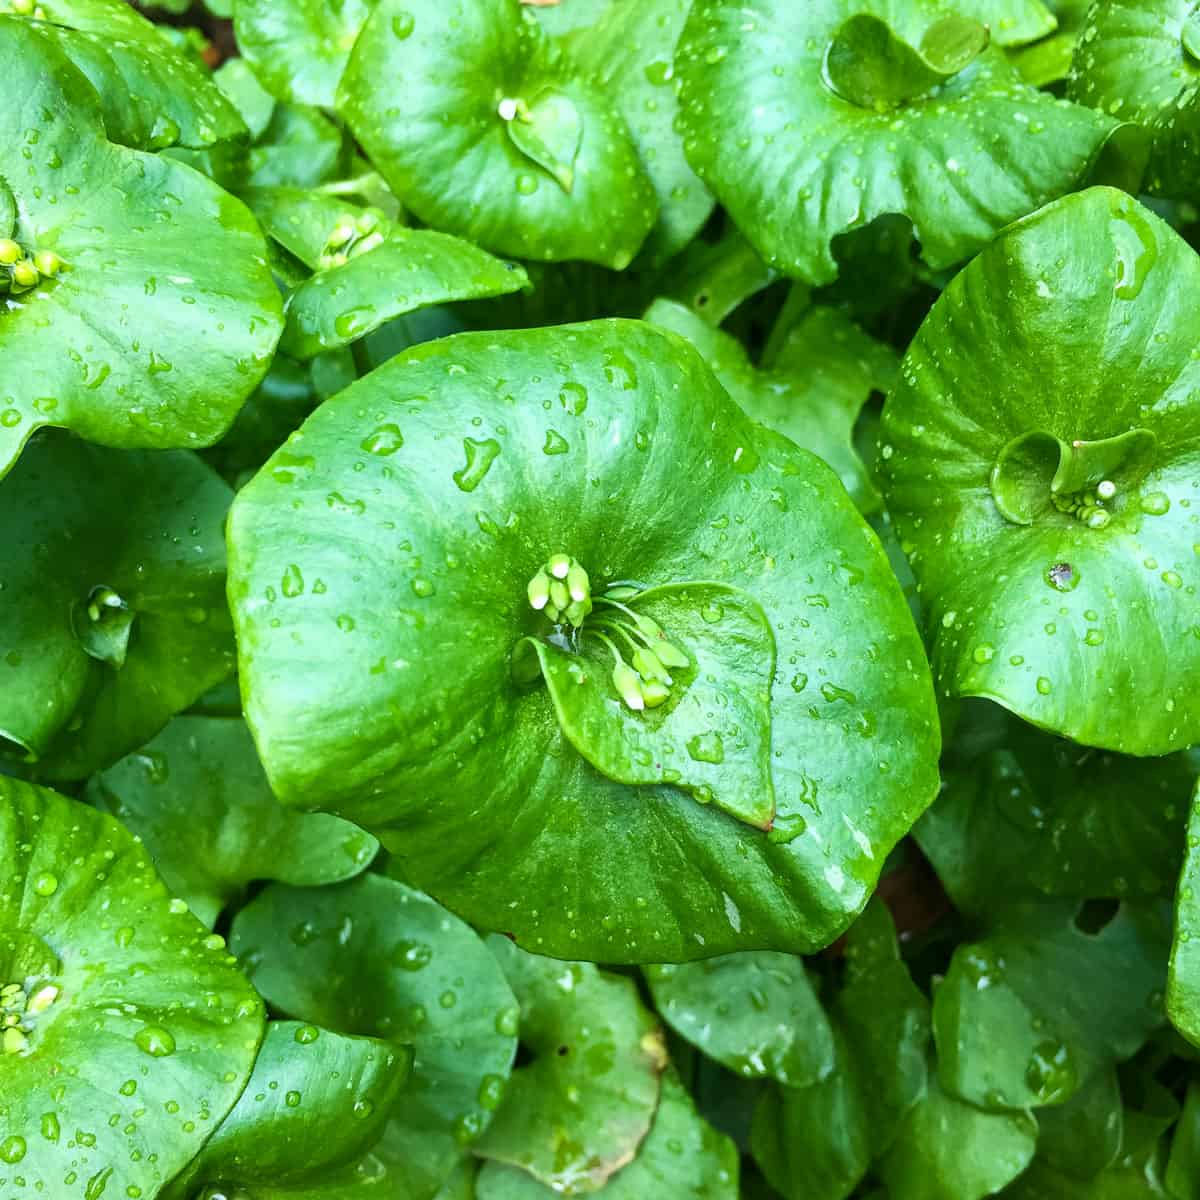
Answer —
1155 504
1062 576
12 1149
574 398
491 1091
292 1099
526 184
787 828
1044 686
155 1041
422 587
1137 252
292 583
403 23
712 613
508 1022
354 321
983 653
387 439
46 884
555 443
707 747
51 1130
480 456
411 955
1051 1074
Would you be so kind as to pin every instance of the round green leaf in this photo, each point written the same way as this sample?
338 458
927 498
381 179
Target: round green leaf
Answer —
822 375
1140 60
796 164
136 1031
578 1112
627 49
113 614
949 1150
1011 22
163 316
413 268
402 606
485 129
197 797
151 94
299 48
373 957
1027 1016
1054 385
756 1013
315 1100
682 1157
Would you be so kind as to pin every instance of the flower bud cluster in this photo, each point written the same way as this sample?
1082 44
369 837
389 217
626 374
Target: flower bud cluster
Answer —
20 271
352 235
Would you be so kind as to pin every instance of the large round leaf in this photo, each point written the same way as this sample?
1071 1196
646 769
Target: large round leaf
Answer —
485 129
299 48
197 797
162 318
372 957
1140 60
112 613
137 1032
376 635
796 164
628 50
1039 459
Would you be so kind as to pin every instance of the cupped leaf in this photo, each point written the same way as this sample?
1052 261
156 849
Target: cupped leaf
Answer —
628 51
484 129
373 957
1044 817
796 163
682 1157
712 737
315 1100
577 1113
402 608
823 372
197 797
1048 61
240 84
135 1032
1140 59
138 333
869 66
1083 1136
949 1150
411 269
300 147
299 48
113 615
756 1013
1183 987
1082 620
1029 1014
152 95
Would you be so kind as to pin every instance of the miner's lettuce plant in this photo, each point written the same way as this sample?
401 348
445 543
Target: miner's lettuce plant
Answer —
599 598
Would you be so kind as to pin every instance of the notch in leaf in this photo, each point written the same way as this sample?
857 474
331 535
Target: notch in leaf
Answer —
548 131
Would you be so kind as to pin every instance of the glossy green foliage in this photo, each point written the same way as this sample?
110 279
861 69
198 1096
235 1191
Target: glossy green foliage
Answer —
1067 491
112 617
1140 60
125 1006
529 158
130 338
486 484
432 985
199 801
797 161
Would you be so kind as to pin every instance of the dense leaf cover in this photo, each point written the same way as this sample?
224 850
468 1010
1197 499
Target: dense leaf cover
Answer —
599 597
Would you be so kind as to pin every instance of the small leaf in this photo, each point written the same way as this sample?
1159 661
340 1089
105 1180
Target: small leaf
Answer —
549 132
579 1111
756 1013
197 797
713 736
375 958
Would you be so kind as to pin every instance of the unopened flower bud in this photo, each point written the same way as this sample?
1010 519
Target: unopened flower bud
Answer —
539 591
577 610
559 594
25 273
578 583
48 263
1106 489
10 251
629 686
649 666
368 243
655 693
559 565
